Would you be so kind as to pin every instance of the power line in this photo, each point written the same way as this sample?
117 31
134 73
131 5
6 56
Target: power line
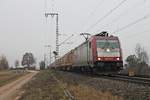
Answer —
53 5
135 34
66 40
93 11
123 13
133 23
107 14
45 5
126 11
99 4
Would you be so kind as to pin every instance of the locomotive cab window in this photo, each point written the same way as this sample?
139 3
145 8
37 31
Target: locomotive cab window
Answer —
107 44
108 48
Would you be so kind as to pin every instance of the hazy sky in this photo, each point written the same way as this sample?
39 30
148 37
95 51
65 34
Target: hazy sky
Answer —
24 28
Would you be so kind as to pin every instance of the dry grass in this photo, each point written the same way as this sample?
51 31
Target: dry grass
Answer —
7 76
83 91
86 93
43 87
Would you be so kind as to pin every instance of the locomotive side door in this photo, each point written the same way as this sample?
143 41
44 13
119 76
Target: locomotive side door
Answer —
90 58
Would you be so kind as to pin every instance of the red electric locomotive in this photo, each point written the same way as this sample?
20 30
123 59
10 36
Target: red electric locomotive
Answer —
100 53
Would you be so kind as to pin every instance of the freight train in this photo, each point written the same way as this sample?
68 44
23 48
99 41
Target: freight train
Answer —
100 53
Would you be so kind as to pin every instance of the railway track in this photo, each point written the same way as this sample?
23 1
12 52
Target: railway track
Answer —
66 91
137 80
120 77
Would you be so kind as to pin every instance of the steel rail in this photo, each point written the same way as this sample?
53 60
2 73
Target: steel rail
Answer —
137 80
66 91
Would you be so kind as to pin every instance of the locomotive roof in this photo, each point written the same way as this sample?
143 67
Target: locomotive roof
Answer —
111 37
105 37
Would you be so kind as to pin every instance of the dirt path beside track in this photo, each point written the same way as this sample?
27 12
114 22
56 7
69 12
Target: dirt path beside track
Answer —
11 90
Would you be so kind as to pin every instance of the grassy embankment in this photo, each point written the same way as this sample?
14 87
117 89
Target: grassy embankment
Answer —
45 87
7 76
79 87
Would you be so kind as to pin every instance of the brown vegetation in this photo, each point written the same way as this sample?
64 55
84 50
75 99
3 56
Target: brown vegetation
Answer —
139 61
82 92
11 91
43 87
7 76
82 86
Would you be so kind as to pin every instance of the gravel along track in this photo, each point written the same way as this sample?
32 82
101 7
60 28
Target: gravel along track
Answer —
45 86
124 90
136 80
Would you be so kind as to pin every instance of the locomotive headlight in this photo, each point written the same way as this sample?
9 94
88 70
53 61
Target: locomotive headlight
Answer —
99 58
118 58
108 50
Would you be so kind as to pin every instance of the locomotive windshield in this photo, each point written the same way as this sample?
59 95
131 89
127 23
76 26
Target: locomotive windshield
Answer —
107 44
108 48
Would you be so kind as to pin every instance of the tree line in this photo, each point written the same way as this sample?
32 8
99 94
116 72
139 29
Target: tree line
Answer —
139 60
28 61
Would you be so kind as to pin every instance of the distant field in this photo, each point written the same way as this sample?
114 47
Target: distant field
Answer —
8 76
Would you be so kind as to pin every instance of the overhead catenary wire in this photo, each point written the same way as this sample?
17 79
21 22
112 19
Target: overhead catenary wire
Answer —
93 11
72 39
123 13
135 34
45 8
132 23
106 15
99 4
126 11
53 5
66 39
45 5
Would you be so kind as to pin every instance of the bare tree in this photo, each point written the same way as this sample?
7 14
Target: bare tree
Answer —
16 63
142 55
132 61
139 61
42 65
3 63
28 59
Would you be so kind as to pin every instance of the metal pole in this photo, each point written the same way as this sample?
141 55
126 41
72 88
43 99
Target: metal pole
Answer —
50 56
57 37
45 59
86 36
57 32
50 53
